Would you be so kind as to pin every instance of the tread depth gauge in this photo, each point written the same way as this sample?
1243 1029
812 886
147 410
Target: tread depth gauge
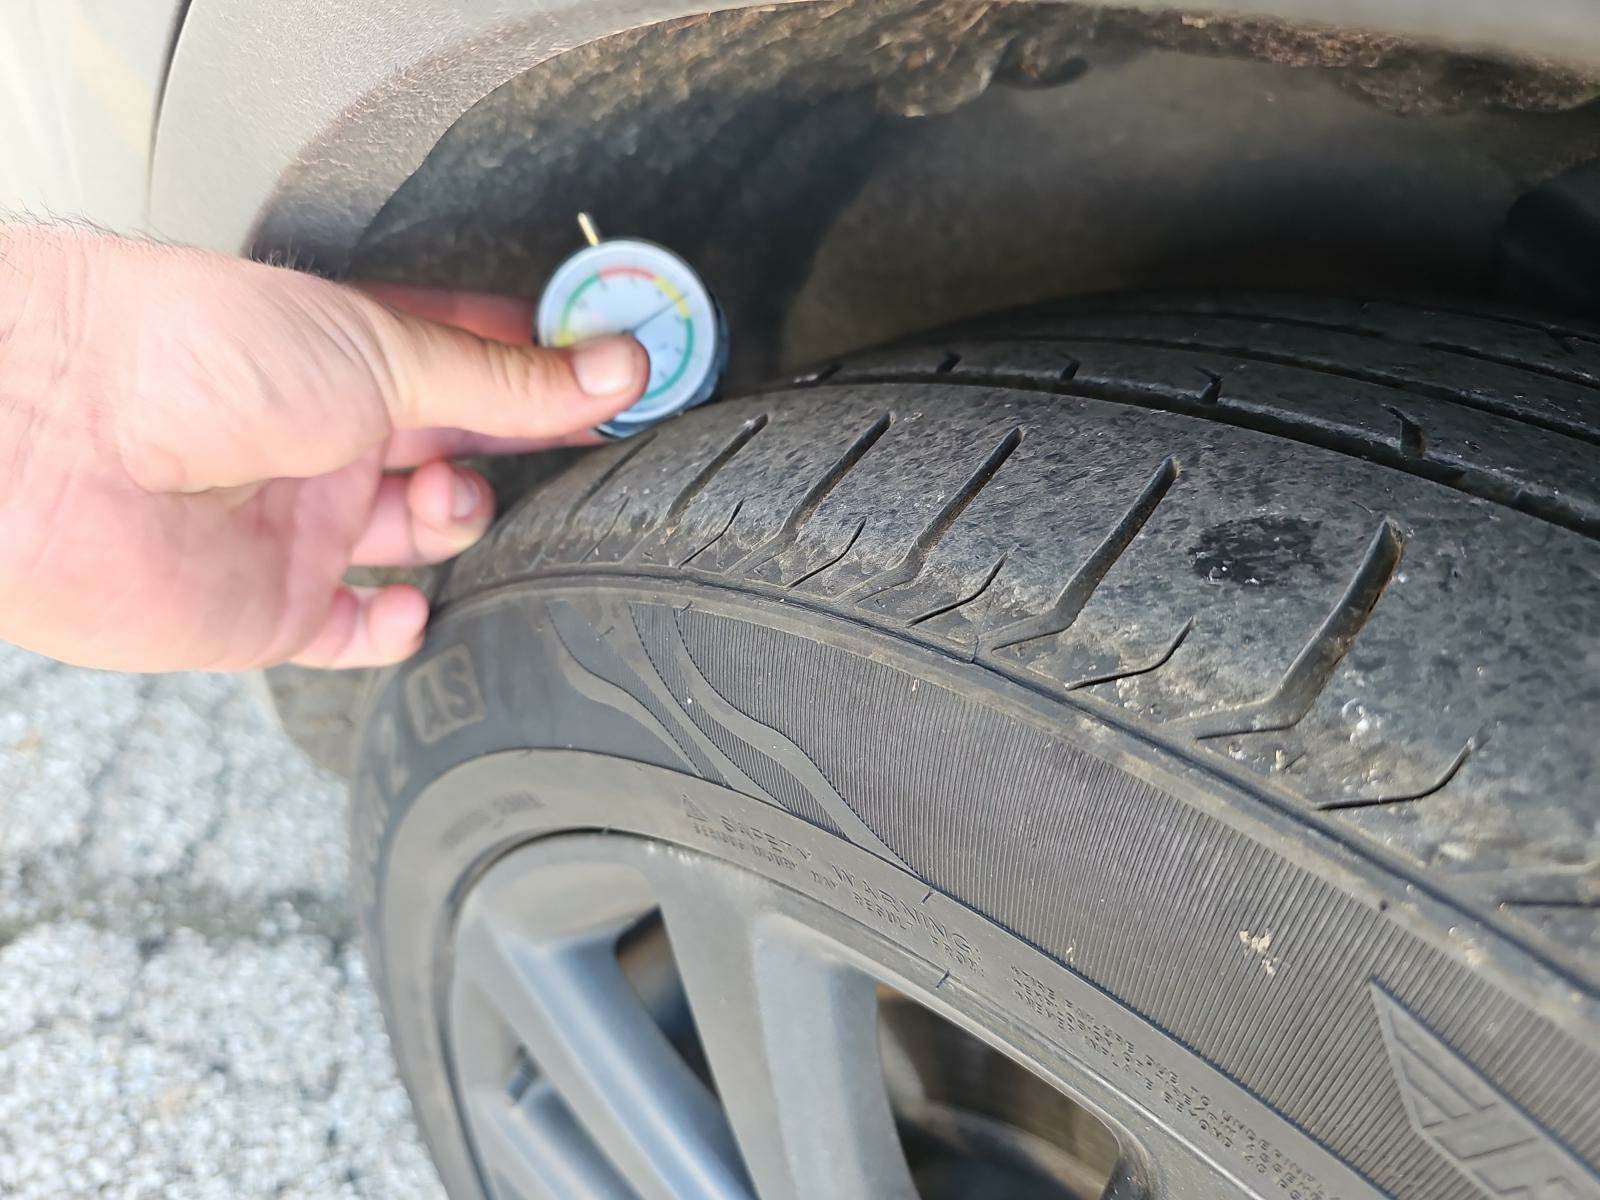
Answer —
627 285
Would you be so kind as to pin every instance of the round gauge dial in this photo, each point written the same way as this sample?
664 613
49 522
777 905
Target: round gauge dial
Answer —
628 286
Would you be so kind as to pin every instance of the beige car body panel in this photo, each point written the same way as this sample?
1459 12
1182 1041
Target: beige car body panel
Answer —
120 118
81 84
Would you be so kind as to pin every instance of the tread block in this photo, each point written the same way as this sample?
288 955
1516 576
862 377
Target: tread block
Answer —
1345 551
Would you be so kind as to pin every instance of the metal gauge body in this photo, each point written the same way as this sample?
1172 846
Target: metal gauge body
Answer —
623 285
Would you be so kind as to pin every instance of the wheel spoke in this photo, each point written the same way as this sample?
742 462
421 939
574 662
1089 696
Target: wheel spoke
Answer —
571 1008
532 1149
792 1040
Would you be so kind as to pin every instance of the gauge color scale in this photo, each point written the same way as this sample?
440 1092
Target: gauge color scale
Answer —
629 286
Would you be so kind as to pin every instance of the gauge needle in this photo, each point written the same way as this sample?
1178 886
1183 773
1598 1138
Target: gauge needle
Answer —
670 304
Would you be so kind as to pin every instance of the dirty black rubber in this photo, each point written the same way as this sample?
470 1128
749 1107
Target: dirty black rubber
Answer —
1239 653
1549 249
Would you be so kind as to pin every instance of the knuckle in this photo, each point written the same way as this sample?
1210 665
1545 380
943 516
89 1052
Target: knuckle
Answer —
530 374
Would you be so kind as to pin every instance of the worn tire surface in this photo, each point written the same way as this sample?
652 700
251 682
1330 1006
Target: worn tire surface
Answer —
1298 601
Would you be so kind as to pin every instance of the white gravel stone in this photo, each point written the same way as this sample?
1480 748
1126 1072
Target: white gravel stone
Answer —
162 793
58 729
65 971
270 799
181 1015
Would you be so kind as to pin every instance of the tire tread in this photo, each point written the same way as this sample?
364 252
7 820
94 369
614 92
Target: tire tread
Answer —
935 490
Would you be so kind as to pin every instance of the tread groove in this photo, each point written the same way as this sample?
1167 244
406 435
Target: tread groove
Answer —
1581 378
815 495
1438 785
912 562
1265 317
1516 322
848 546
964 600
1311 669
1546 504
716 537
1377 378
599 541
1154 664
1072 598
593 490
668 523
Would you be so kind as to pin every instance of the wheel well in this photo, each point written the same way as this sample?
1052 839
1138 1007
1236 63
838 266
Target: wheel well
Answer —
843 173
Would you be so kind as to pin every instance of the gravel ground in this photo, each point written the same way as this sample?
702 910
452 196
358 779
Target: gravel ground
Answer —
183 1011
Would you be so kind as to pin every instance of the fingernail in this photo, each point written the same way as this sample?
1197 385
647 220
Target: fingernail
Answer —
463 495
606 366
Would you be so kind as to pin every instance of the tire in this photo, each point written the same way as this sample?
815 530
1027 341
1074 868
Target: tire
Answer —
1203 690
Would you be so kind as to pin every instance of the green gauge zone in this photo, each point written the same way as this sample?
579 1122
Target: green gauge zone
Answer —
628 286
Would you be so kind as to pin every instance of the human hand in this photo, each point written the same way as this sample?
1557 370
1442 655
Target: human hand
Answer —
194 449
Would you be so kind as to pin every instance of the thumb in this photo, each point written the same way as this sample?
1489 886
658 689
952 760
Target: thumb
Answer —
239 371
438 376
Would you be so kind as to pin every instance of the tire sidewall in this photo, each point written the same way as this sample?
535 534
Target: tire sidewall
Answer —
510 726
